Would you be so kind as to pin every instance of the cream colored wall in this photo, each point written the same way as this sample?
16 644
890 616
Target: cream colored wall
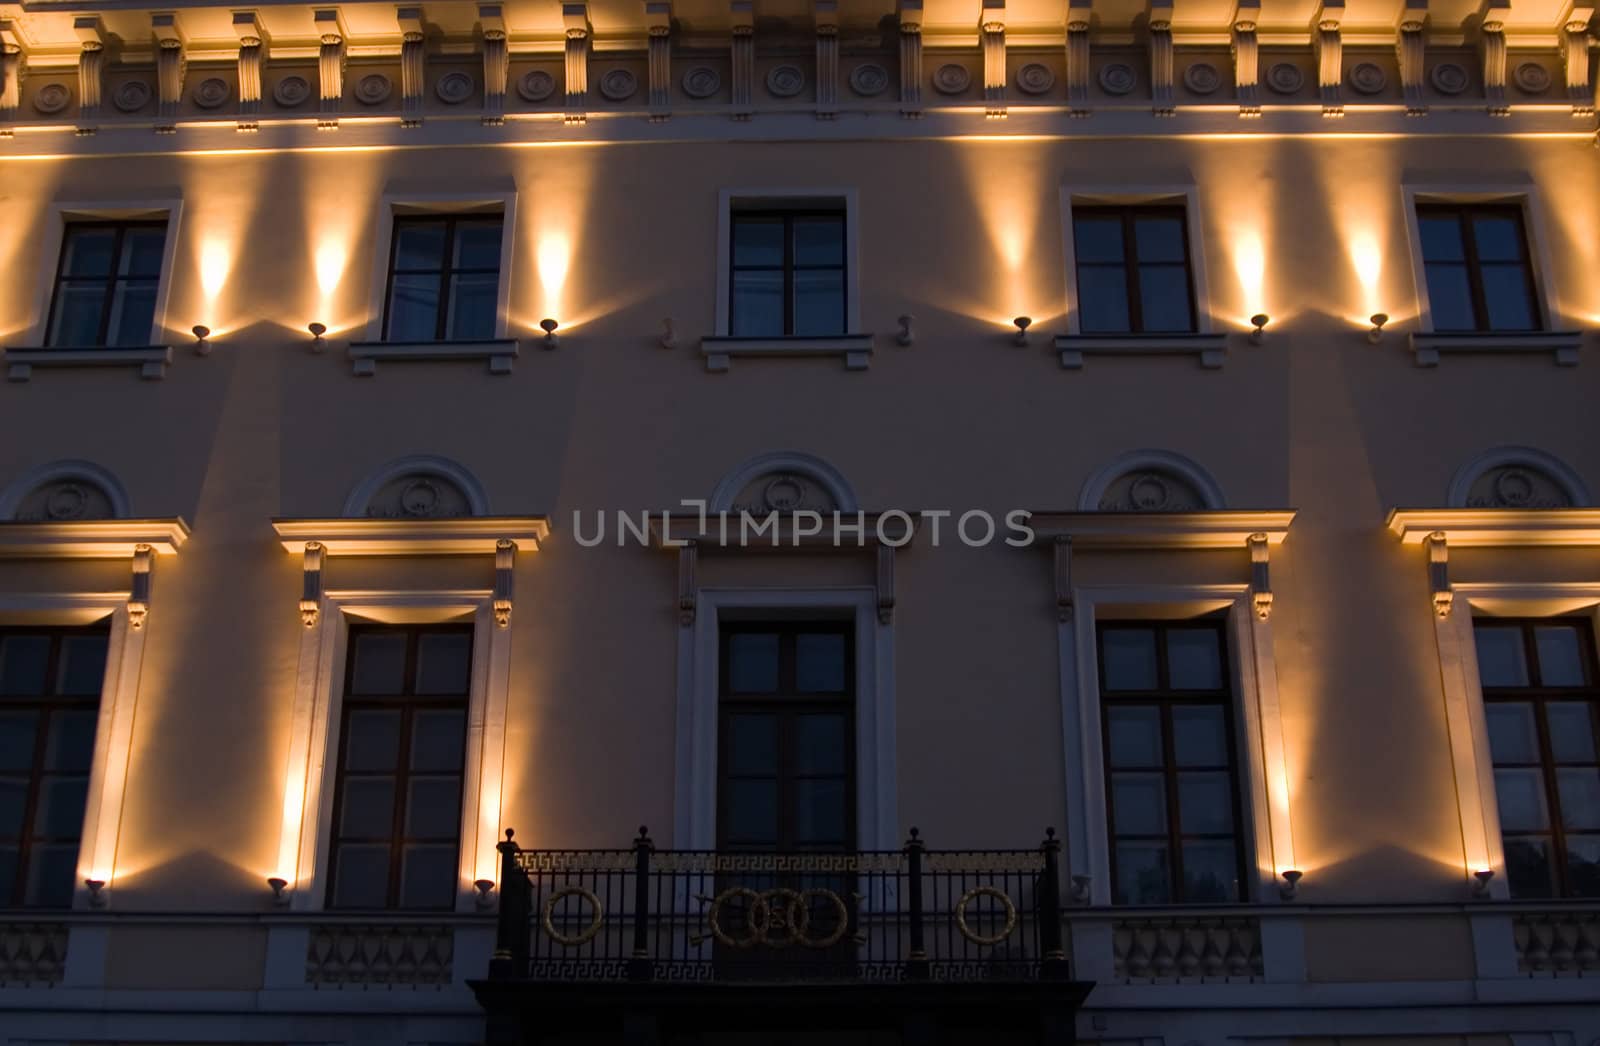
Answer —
962 234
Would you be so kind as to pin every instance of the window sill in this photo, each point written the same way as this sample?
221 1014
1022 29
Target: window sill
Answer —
1208 348
151 360
1426 347
854 349
364 355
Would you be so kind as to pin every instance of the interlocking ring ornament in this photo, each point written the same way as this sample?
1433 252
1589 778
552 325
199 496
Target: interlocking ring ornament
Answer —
572 940
983 940
787 911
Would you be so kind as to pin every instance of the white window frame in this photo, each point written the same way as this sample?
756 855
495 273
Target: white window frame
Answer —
695 802
731 200
314 744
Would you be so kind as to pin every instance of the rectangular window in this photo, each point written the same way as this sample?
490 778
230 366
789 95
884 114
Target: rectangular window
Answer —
444 279
106 282
788 274
1478 270
1542 706
1133 270
402 742
1172 791
50 681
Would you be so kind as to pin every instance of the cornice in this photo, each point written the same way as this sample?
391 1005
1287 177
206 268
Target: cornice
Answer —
473 535
92 539
1223 529
1499 528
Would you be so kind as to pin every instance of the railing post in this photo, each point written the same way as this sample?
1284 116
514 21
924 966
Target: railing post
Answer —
917 960
510 959
1048 898
640 967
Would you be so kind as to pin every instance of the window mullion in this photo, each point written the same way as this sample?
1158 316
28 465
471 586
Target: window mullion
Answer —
110 286
1130 261
788 274
1469 244
442 307
1169 774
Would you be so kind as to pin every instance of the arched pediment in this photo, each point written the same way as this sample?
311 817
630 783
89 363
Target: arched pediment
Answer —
418 487
63 492
784 481
1151 481
1517 478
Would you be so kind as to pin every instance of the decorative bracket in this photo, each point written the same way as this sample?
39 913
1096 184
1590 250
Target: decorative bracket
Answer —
742 15
91 33
139 594
252 51
496 64
885 584
1439 574
311 588
688 554
1575 56
992 27
658 16
412 57
575 16
1411 46
1246 56
330 66
505 561
171 62
1078 62
1492 41
1260 576
1161 57
1330 56
1062 546
827 18
911 59
10 73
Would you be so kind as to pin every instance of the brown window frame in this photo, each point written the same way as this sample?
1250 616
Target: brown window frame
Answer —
1465 214
52 321
789 266
441 318
1129 214
1165 697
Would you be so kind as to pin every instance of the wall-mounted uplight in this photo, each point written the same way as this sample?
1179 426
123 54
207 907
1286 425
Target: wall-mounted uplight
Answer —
1259 321
202 339
668 338
1480 885
279 895
1080 889
97 897
905 335
317 331
1023 323
485 888
1378 320
549 327
1291 883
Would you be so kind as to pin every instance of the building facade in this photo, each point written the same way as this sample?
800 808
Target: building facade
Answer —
1061 521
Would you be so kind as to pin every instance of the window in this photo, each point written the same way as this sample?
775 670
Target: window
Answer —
444 279
397 799
1171 787
1542 705
787 751
106 282
50 681
1133 270
788 274
1477 266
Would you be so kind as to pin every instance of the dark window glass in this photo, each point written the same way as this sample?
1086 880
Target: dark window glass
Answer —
50 681
1133 270
444 279
788 274
105 292
397 800
1475 258
1172 790
1542 710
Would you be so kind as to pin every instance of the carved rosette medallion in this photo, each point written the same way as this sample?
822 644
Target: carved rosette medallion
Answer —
1285 78
1117 78
619 85
454 88
869 79
131 96
374 89
65 500
785 81
1368 77
1449 78
1035 78
701 81
1532 78
211 93
951 79
536 86
51 99
1202 78
1150 491
784 494
1517 487
419 497
291 91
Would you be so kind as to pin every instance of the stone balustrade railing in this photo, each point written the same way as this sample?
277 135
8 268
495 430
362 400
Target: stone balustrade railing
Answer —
1187 947
1557 942
374 954
32 953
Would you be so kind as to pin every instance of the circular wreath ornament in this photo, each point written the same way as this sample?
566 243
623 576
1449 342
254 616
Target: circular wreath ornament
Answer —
1202 78
373 89
454 88
869 79
1035 78
1149 493
52 98
1449 78
619 85
597 917
1117 78
211 93
68 501
757 906
1368 77
702 81
420 498
1285 78
785 81
291 91
951 79
1532 78
536 86
985 940
1514 488
131 96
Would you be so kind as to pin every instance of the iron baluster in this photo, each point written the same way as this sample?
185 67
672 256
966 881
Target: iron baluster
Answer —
1054 965
512 925
639 966
917 958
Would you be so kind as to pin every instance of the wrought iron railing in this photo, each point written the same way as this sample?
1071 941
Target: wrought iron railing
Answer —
693 915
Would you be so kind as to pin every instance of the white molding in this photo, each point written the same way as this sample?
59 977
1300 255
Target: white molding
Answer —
1499 527
152 360
1209 350
1137 193
471 535
1500 457
729 199
361 495
1148 530
1164 460
92 538
56 471
695 788
809 465
500 353
1562 345
854 349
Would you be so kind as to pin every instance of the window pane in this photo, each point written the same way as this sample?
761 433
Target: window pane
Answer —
1128 657
819 743
1497 238
83 664
1450 297
70 746
133 310
473 306
1205 803
428 877
1097 239
819 663
8 873
1135 735
1500 656
1583 865
1513 737
1102 300
1441 238
380 663
752 744
1580 798
141 252
1199 735
1164 297
433 807
52 875
414 308
819 814
1210 872
1159 239
368 808
87 250
13 807
819 241
444 662
757 304
373 741
1194 660
24 664
437 741
753 662
1505 296
477 245
1571 731
59 814
361 876
16 741
1138 804
758 241
1142 876
78 310
419 245
1528 870
819 302
1560 655
752 811
1521 800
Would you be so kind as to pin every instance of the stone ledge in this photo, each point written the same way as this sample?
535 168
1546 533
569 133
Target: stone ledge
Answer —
854 349
499 352
1208 348
151 360
1426 347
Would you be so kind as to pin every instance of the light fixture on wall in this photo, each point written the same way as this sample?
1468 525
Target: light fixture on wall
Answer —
279 896
668 338
97 897
485 888
1259 321
317 331
202 336
905 336
549 327
1080 889
1291 883
1480 885
1378 320
1023 323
